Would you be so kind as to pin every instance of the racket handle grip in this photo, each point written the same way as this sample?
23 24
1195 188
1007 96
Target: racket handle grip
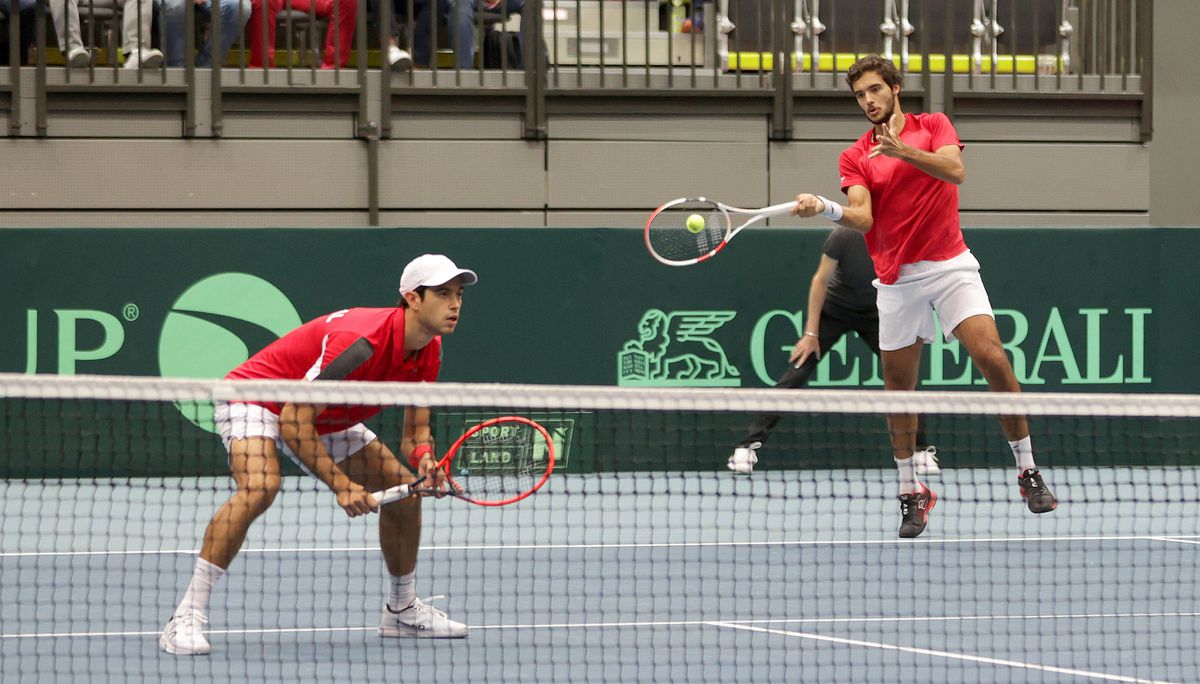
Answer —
779 209
396 493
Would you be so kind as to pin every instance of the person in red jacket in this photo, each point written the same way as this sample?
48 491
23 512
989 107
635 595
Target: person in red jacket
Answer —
902 178
331 443
338 40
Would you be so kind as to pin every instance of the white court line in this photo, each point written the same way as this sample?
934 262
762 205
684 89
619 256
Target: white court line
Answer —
157 632
836 620
943 654
1178 539
643 623
631 545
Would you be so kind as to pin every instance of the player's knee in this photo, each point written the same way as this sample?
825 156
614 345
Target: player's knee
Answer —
899 381
992 361
257 497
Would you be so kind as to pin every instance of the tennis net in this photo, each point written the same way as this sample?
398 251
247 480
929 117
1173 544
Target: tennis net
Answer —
643 558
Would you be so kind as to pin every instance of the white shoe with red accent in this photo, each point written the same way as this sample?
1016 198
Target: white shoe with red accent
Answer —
914 511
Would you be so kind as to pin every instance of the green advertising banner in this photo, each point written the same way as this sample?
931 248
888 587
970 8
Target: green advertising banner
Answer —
1106 310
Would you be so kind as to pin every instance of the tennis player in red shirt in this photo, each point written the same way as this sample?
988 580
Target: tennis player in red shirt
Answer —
902 178
399 344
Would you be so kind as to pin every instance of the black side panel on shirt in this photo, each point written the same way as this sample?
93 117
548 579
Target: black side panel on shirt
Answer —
354 356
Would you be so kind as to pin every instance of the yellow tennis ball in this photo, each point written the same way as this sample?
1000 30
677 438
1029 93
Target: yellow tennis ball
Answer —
695 223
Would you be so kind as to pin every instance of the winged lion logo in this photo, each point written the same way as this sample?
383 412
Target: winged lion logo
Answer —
675 350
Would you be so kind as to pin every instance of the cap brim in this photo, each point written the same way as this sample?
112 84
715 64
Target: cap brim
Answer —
468 278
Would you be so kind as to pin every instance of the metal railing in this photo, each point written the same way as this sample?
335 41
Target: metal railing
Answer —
779 50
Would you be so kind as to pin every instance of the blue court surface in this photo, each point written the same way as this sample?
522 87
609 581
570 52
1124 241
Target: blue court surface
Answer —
700 577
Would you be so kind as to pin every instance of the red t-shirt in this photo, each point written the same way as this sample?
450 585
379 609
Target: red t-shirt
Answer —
915 214
307 350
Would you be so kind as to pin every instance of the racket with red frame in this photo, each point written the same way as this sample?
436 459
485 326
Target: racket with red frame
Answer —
496 462
673 243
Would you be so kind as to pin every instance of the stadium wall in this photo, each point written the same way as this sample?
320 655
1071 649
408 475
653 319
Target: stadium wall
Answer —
1173 174
455 162
580 176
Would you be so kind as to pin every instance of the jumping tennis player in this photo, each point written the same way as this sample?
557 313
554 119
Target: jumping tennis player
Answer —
400 344
902 179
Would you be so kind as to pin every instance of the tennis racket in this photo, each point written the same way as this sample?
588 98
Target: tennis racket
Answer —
496 462
671 242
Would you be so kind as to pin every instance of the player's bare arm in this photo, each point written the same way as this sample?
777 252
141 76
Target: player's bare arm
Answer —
419 434
809 343
857 216
298 429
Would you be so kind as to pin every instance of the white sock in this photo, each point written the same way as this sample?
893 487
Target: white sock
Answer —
1023 452
402 592
204 577
908 475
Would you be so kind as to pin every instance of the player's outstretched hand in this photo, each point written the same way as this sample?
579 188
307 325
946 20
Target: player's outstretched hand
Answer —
805 347
888 142
356 501
808 205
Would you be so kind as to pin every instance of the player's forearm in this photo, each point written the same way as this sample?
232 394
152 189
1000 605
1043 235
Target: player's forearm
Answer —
857 218
939 166
313 455
816 301
416 433
297 429
408 444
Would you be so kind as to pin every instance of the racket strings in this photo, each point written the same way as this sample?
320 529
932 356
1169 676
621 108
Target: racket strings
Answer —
715 226
500 464
668 234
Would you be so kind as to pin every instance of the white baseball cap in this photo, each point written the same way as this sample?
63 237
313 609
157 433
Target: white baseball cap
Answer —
429 270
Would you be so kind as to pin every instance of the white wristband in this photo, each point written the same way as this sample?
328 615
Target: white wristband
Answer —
832 211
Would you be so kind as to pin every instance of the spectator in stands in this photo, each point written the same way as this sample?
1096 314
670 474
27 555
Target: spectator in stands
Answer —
397 57
459 15
65 15
136 22
28 22
338 39
234 15
135 30
138 15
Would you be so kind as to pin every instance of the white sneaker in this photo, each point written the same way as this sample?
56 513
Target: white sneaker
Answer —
79 58
420 620
146 59
184 634
399 59
744 459
926 461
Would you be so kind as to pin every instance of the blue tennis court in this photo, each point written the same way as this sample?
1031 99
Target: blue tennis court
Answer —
791 576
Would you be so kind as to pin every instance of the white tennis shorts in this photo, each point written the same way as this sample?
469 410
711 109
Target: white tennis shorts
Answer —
952 289
241 421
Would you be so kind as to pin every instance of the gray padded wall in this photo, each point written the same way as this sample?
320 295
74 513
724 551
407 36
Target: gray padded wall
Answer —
173 174
1173 176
